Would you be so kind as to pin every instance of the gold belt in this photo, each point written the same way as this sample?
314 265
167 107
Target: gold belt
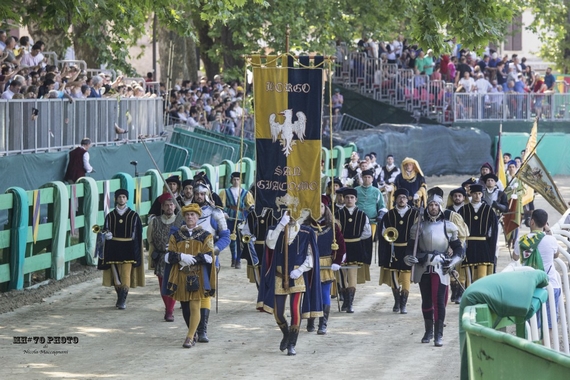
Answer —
400 244
481 238
122 239
352 240
259 242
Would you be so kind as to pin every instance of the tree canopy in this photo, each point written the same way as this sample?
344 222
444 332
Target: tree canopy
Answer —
102 31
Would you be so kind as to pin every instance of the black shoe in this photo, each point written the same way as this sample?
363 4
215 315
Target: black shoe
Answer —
324 320
396 294
404 301
350 296
202 329
438 335
237 264
285 341
293 334
188 343
311 324
429 331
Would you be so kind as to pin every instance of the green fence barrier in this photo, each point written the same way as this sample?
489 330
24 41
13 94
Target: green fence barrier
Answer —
248 145
205 149
46 249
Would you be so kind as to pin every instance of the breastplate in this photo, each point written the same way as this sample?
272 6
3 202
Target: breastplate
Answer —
433 237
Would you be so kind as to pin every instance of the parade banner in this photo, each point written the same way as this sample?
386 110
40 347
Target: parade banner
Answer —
288 109
530 148
534 174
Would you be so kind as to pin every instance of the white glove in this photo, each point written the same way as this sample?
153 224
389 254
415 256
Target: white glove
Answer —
295 274
416 197
335 267
208 259
285 219
108 235
388 188
187 259
514 196
410 260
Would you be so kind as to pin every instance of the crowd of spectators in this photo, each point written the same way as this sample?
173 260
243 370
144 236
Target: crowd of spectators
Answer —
464 70
27 74
210 104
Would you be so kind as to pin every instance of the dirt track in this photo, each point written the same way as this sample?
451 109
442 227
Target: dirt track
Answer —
372 343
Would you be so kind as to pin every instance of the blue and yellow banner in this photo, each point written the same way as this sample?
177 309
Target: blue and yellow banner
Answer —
288 110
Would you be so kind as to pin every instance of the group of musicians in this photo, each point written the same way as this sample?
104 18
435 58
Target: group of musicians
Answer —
421 239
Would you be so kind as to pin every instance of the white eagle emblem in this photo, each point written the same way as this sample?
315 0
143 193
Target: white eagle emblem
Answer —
287 129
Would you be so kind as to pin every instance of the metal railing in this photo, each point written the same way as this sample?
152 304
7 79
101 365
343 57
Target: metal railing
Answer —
509 106
61 124
437 98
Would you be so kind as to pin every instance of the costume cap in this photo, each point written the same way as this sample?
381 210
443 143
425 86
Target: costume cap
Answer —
192 207
121 192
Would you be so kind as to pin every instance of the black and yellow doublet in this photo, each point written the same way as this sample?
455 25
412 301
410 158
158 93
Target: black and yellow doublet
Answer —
402 224
352 227
482 240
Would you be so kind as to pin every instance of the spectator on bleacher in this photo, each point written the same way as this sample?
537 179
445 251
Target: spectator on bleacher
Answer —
549 79
483 63
337 100
3 38
12 58
482 84
411 59
402 61
96 84
149 77
429 63
451 69
14 88
421 61
466 82
501 76
462 68
398 45
436 75
390 54
529 77
31 92
538 90
495 99
24 44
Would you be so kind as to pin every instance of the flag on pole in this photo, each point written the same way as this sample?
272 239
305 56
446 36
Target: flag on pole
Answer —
288 108
499 163
106 197
530 148
534 174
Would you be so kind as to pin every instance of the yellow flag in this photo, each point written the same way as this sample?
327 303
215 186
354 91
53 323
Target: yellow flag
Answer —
530 146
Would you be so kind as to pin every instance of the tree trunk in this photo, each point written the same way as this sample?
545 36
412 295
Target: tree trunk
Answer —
84 51
232 61
206 44
180 52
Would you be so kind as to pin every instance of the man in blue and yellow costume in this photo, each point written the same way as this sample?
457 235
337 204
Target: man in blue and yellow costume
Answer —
189 269
237 203
122 256
290 268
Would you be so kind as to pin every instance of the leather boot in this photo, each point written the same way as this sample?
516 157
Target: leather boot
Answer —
233 262
324 320
459 294
311 324
293 334
429 330
344 298
350 297
237 264
396 294
341 294
203 326
122 303
438 335
117 290
404 301
285 330
453 287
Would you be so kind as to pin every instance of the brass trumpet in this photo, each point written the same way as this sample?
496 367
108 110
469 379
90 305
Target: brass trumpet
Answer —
97 229
245 239
390 234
